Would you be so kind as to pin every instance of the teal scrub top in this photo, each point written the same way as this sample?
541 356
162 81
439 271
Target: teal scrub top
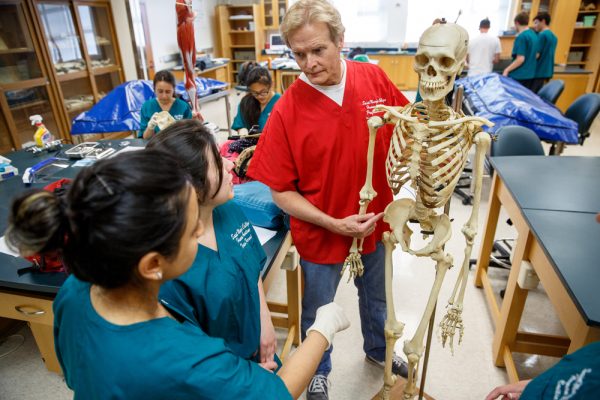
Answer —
179 110
575 377
526 44
158 359
239 122
222 286
546 48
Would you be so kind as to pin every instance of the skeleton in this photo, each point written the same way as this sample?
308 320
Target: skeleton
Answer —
187 45
429 149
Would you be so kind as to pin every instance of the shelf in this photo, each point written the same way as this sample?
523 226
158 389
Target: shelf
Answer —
72 75
241 18
580 45
240 61
589 12
105 70
242 46
575 62
240 31
585 27
23 106
17 50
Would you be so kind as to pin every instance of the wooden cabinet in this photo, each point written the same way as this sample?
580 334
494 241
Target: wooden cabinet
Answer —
25 87
533 7
37 312
273 11
240 32
578 36
57 59
399 68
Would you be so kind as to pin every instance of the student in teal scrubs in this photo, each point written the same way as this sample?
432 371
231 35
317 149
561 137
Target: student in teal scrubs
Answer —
547 42
224 285
524 53
255 107
164 89
125 226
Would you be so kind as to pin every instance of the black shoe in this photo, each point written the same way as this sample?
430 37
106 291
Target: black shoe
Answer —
399 366
318 388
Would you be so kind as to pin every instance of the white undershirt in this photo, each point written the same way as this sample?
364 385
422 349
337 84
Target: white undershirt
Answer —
334 92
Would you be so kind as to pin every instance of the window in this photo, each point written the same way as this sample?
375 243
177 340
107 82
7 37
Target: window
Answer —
391 23
423 12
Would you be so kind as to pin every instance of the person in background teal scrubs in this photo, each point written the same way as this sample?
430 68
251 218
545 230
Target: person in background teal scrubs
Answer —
524 53
164 89
255 107
547 42
127 225
224 284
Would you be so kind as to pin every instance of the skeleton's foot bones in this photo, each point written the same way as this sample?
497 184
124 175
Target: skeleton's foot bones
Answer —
449 324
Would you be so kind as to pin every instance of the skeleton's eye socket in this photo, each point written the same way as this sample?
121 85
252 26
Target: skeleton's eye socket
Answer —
446 62
421 59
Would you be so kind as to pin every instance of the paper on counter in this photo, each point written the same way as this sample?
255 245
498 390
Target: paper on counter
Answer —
264 235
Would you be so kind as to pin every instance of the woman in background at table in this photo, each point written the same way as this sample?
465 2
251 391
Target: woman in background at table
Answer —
114 338
256 105
164 89
224 284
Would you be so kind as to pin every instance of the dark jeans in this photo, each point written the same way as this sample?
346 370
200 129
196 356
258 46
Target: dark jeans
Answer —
320 284
537 84
528 83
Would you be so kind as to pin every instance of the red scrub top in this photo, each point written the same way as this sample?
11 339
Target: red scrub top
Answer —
315 147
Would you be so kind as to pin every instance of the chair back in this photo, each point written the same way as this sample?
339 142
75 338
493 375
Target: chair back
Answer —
583 111
552 90
516 141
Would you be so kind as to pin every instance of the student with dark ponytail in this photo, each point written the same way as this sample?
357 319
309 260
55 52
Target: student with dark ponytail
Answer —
125 226
255 107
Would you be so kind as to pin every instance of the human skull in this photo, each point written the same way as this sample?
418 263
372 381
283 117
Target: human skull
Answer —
440 57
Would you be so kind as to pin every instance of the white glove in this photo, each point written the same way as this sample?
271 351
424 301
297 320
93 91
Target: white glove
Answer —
330 319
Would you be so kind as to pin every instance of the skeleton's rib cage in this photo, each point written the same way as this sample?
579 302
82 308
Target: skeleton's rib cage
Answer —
432 158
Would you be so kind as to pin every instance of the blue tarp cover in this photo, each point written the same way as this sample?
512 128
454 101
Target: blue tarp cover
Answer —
505 101
120 109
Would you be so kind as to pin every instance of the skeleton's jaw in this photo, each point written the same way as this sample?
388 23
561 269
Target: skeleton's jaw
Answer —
435 89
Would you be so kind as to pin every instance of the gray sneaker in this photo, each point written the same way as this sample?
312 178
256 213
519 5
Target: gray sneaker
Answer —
399 366
318 388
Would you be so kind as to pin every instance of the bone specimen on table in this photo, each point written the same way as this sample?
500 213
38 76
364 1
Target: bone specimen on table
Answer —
428 151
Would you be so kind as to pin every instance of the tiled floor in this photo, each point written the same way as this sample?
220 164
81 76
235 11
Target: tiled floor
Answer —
468 374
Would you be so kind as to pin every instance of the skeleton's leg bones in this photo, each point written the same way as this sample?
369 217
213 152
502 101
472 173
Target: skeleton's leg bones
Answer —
393 328
414 347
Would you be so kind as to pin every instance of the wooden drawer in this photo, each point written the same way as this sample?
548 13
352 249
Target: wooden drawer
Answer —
35 309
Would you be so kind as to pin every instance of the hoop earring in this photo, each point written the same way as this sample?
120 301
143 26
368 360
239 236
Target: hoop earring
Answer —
159 276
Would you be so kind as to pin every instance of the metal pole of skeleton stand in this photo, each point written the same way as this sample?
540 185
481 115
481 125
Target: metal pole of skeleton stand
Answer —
456 105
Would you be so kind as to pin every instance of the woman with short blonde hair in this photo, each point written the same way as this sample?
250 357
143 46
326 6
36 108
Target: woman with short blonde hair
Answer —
307 12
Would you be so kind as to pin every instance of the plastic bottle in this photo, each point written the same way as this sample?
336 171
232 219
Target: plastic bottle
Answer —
42 135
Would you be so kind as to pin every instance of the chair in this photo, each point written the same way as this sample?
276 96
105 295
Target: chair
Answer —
516 141
583 111
511 141
552 90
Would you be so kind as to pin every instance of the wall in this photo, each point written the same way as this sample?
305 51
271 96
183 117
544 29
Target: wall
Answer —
119 11
163 28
